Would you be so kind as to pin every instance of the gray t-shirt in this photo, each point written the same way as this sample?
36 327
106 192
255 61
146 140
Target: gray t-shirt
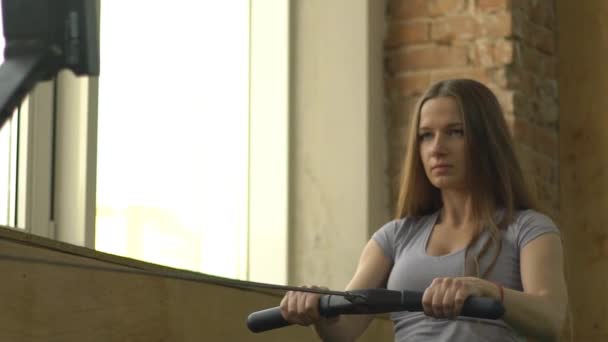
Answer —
404 241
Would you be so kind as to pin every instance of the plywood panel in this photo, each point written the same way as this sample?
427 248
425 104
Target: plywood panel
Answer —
43 301
583 82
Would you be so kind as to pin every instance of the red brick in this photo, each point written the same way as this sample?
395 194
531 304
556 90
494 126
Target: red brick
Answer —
547 142
507 99
523 104
429 58
503 51
519 24
541 38
540 139
454 27
522 5
542 13
541 173
503 5
545 167
482 53
549 67
411 84
407 33
505 44
547 194
523 29
522 81
531 59
524 154
536 35
548 90
492 53
498 25
493 5
442 7
499 76
478 74
409 9
547 112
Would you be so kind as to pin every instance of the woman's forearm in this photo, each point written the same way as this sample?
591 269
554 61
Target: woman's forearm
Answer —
342 328
536 316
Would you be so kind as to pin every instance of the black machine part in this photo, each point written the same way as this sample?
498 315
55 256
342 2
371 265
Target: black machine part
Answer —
372 301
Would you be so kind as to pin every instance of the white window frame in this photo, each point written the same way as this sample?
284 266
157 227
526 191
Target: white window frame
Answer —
76 148
57 141
269 151
31 203
75 159
36 162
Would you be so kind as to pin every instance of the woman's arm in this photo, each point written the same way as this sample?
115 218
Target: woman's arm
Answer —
538 312
372 272
303 308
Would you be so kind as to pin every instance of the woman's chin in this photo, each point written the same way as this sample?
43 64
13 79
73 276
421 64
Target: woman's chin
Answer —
447 183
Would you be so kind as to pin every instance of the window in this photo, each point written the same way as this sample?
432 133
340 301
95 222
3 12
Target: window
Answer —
26 162
191 163
7 160
8 171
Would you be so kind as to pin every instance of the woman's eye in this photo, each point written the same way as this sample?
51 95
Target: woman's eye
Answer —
425 136
456 132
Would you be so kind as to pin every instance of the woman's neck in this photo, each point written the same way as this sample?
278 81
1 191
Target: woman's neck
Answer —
457 210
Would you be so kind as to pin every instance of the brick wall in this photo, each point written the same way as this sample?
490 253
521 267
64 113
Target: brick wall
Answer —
507 45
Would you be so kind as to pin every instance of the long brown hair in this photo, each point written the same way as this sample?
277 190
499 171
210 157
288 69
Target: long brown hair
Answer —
493 173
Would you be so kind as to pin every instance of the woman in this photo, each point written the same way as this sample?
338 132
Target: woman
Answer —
465 226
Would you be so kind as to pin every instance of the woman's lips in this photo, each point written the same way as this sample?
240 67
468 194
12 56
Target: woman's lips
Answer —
440 168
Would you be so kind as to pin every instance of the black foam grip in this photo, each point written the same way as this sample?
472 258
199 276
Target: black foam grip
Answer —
481 307
478 307
266 320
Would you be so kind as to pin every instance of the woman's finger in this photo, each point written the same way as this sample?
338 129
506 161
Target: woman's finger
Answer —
427 300
459 298
437 301
284 305
312 305
303 318
448 301
292 308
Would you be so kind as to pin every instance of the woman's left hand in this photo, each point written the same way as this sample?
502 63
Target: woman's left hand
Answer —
445 297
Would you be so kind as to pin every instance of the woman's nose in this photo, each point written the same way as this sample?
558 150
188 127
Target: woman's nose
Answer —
438 144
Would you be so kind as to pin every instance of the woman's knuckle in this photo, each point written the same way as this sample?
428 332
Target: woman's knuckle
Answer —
309 309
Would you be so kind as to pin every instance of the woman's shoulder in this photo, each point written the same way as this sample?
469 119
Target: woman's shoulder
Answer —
409 222
528 224
407 225
398 233
531 217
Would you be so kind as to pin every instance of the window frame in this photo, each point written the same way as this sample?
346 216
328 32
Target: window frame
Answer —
76 147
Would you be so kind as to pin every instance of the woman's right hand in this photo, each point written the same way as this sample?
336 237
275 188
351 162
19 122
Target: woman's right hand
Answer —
301 307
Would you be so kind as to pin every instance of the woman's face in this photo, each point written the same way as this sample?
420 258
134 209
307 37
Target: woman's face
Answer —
442 143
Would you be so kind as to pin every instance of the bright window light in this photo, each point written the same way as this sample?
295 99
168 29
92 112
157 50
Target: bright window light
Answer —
173 133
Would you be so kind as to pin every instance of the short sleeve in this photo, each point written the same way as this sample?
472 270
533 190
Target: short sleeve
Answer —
533 224
385 237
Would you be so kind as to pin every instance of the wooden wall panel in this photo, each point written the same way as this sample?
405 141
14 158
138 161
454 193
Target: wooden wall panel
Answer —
42 301
583 93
